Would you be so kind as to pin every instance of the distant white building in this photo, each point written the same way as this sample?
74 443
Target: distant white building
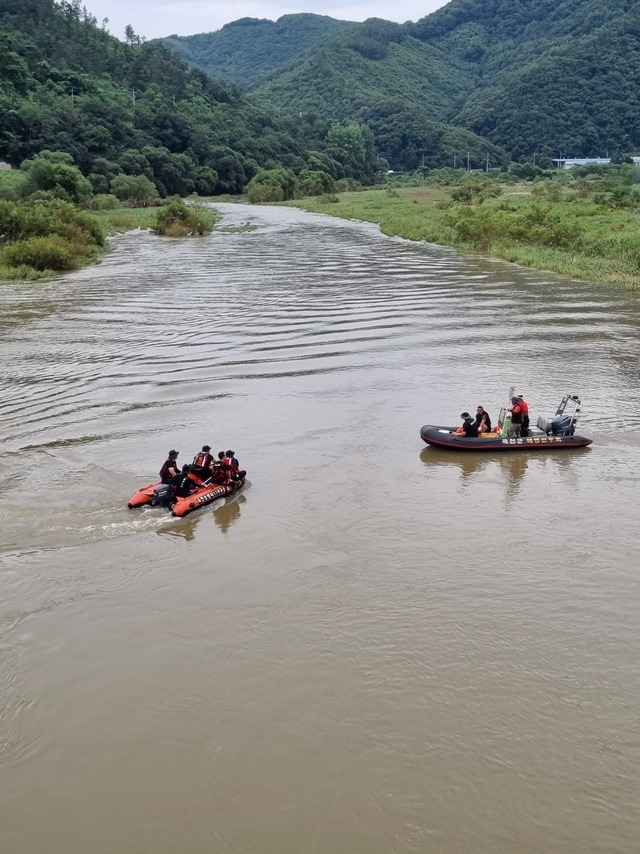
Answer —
570 162
4 165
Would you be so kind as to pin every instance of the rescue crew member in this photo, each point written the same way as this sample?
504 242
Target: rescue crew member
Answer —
483 421
220 470
202 463
525 416
516 417
183 484
234 466
468 428
169 467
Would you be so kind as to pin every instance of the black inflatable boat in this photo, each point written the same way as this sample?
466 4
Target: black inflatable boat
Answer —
555 434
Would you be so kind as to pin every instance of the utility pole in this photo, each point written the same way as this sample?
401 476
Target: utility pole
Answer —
468 170
454 160
487 169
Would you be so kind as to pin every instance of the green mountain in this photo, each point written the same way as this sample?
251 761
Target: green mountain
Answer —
374 72
553 77
247 50
560 77
402 88
137 109
370 62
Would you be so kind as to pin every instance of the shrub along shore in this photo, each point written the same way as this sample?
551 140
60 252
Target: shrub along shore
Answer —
52 222
51 237
584 226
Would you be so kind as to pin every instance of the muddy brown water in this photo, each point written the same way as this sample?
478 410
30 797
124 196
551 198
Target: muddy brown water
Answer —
377 647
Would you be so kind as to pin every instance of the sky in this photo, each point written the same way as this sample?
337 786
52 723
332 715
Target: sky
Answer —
155 18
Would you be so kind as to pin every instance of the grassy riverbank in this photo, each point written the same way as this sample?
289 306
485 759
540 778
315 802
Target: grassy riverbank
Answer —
118 221
568 227
43 240
172 218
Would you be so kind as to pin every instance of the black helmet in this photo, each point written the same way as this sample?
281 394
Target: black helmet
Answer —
206 447
173 453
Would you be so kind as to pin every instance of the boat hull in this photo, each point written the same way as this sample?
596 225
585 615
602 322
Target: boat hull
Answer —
143 496
444 437
203 496
200 497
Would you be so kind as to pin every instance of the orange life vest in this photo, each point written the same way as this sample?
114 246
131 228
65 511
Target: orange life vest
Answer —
202 460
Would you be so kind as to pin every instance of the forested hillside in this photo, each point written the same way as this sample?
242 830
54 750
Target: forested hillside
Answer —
554 76
132 108
375 72
544 77
248 50
400 87
373 61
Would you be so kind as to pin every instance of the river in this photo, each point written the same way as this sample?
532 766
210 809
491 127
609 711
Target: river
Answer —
377 646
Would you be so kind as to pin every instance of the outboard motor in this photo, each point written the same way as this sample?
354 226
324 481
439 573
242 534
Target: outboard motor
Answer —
162 495
561 425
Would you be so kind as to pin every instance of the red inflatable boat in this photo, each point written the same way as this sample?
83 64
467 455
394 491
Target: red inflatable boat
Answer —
160 494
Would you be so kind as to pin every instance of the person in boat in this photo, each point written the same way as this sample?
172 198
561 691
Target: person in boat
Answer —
524 406
169 467
202 463
234 466
516 417
468 428
220 470
183 484
483 421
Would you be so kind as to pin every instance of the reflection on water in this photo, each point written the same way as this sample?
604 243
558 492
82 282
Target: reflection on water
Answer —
467 463
476 468
514 467
224 513
229 512
182 528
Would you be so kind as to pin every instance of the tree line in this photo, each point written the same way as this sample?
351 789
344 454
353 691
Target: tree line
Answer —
135 110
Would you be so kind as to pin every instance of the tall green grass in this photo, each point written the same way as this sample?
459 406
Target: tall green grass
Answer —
558 229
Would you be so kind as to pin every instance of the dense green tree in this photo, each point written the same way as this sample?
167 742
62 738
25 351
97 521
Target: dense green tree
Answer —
136 190
314 183
319 161
54 174
133 162
272 185
230 166
173 174
352 145
206 181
